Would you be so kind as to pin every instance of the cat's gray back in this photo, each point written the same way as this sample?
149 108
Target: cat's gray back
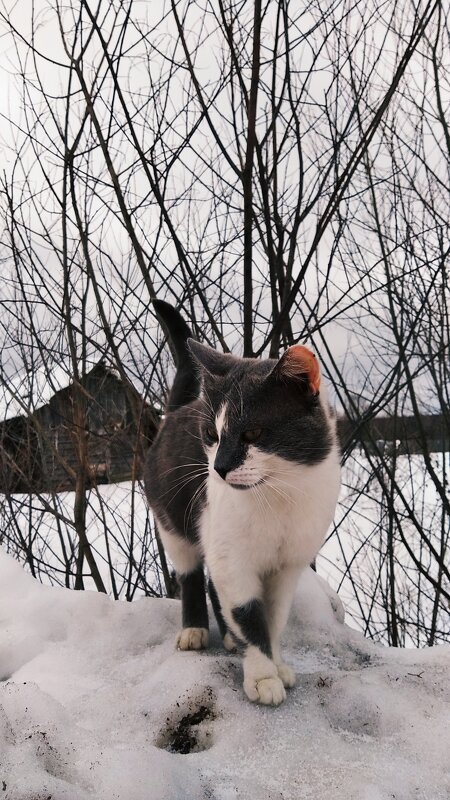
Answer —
175 471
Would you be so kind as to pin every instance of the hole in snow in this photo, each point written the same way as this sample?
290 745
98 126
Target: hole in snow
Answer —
188 729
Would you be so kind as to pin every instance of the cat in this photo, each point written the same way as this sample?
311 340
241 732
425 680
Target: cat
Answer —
243 477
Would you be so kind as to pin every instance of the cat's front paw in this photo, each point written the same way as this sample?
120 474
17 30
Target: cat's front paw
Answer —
269 691
286 675
193 639
229 643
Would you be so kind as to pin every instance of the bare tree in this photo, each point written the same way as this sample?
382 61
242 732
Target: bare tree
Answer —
268 168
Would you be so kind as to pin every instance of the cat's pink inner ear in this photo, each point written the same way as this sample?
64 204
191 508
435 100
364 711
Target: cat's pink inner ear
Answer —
298 361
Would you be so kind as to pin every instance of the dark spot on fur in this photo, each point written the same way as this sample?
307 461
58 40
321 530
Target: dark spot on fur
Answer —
253 624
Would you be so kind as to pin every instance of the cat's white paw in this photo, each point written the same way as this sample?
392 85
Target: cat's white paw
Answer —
269 691
229 643
286 675
193 639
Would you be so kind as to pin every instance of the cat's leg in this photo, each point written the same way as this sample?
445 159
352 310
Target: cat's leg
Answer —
244 612
227 638
187 560
279 590
262 682
194 634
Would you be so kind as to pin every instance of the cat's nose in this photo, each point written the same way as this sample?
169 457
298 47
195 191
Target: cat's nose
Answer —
222 471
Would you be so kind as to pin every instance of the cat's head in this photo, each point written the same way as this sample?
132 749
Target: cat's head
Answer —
260 418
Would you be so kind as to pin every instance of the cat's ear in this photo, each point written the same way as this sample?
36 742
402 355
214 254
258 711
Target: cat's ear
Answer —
300 364
209 359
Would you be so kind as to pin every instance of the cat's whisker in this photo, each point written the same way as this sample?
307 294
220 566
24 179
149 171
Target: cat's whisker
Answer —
190 505
183 466
194 436
207 401
200 470
241 398
231 402
283 494
172 498
175 488
254 490
179 485
200 414
296 489
263 499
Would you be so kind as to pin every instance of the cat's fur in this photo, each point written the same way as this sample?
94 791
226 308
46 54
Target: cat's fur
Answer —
243 477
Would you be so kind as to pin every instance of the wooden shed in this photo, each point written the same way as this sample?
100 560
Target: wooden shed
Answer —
100 426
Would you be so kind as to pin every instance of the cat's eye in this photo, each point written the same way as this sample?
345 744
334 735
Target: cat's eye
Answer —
251 435
211 434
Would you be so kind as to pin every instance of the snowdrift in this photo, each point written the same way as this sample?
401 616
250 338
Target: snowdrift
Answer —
95 702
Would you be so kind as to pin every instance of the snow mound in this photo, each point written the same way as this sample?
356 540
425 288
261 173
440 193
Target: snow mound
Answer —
95 702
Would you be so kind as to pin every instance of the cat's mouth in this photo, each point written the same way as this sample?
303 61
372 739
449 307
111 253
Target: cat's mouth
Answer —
243 486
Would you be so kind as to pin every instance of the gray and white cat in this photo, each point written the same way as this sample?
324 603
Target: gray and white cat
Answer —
243 477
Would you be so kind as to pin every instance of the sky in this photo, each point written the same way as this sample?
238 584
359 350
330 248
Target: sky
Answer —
344 336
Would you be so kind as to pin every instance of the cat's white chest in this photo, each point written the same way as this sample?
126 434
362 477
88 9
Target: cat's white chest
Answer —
270 527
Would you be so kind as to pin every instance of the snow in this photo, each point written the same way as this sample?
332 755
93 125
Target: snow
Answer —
94 699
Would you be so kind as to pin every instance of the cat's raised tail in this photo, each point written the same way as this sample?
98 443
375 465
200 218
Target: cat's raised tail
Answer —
186 385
